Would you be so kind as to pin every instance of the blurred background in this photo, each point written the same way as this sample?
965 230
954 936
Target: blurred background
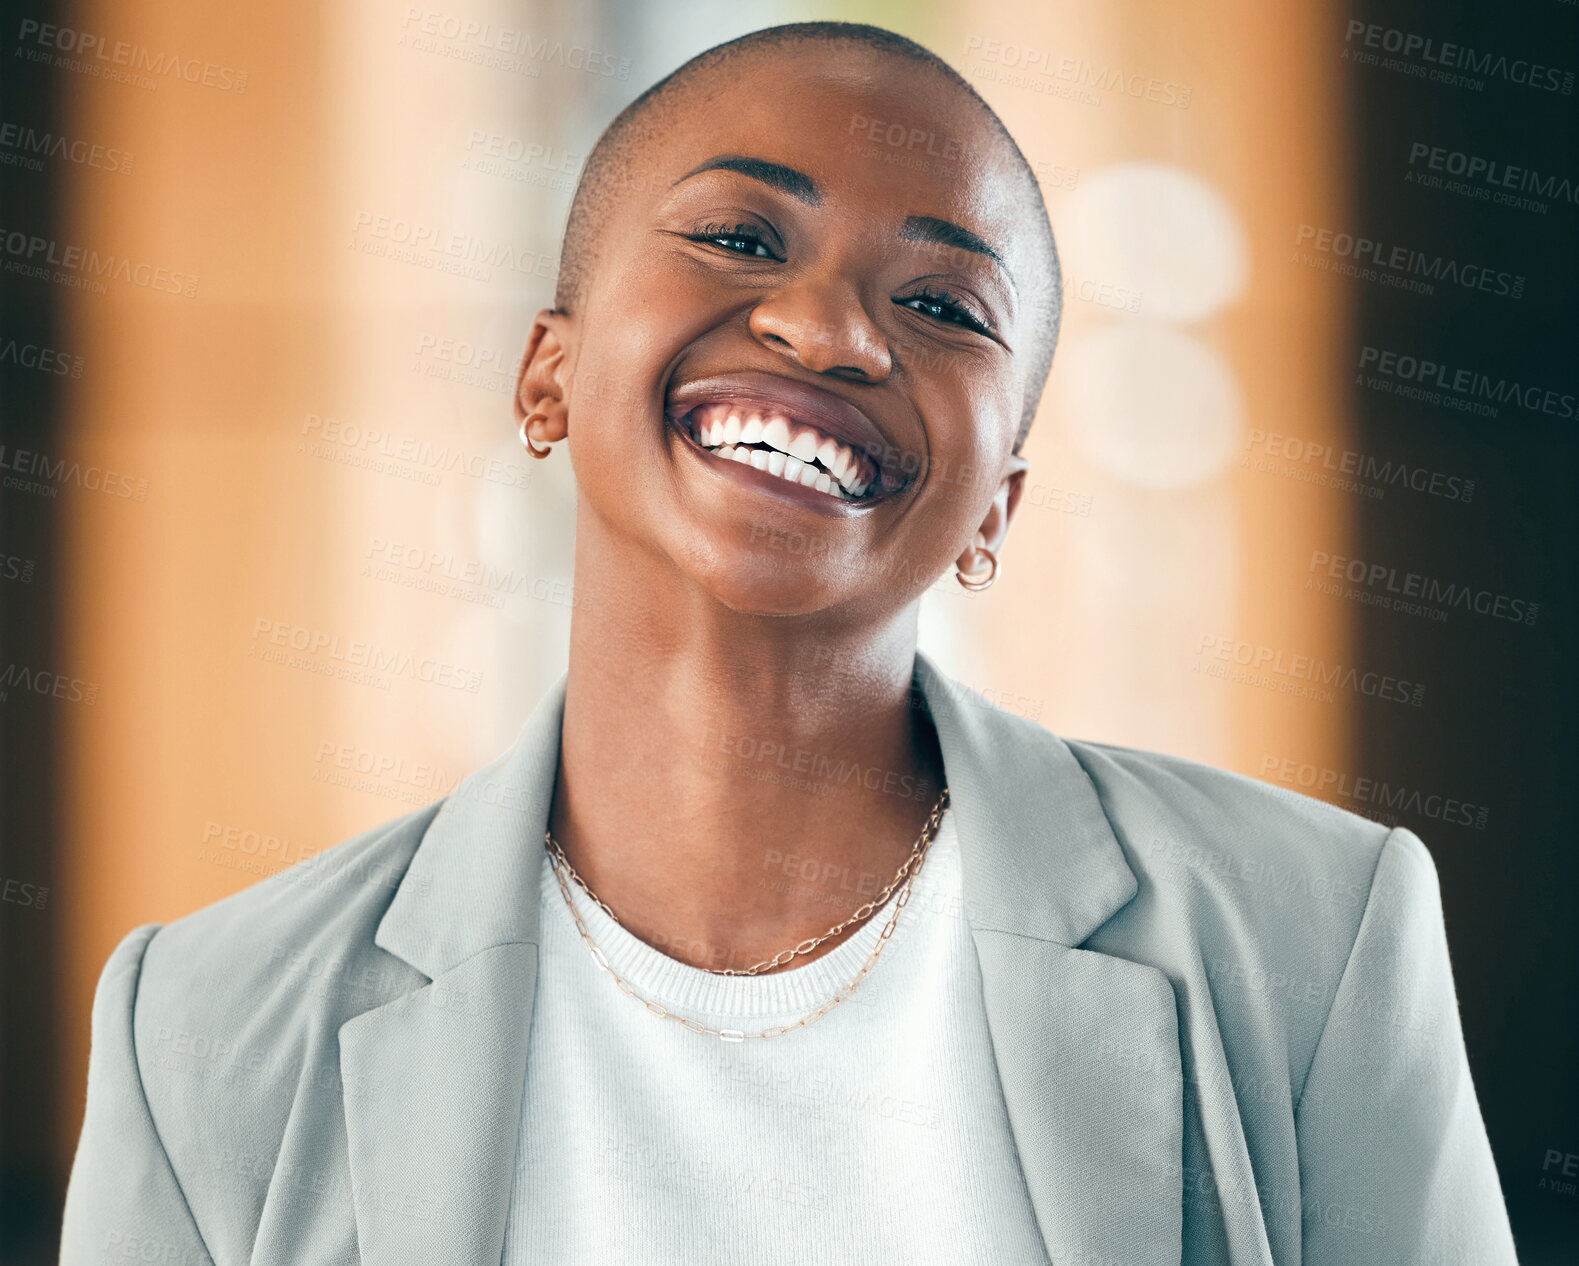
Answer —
267 275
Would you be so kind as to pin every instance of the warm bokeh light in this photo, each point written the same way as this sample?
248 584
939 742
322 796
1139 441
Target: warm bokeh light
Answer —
331 461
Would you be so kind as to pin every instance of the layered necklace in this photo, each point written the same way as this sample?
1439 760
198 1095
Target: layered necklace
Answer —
903 879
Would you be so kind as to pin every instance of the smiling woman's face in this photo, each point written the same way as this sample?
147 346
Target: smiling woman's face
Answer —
798 369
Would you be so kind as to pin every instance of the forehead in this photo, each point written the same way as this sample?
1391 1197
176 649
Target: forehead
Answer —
876 133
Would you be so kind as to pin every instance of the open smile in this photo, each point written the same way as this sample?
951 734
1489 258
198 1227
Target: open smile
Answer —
797 437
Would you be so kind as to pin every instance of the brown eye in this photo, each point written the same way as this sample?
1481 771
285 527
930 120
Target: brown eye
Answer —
739 239
942 307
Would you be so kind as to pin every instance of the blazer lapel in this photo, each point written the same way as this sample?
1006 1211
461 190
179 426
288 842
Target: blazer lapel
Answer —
433 1081
1087 1045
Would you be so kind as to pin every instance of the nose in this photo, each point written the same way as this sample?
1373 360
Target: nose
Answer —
823 327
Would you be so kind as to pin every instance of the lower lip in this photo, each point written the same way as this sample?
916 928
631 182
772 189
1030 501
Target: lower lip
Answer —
761 481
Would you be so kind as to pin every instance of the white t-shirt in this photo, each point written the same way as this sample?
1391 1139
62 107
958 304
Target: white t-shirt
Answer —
877 1134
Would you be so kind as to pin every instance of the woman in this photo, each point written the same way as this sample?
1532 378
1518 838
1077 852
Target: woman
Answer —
766 942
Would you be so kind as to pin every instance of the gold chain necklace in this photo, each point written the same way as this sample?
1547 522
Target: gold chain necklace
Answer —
906 873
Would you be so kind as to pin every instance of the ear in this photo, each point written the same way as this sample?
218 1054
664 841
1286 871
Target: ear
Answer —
995 526
542 384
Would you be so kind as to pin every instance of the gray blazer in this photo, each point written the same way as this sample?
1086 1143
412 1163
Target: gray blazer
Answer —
1222 1013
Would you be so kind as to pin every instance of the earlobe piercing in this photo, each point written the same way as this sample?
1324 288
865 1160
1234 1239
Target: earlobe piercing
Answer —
976 582
526 439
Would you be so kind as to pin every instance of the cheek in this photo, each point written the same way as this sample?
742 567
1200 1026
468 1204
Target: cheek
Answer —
629 340
974 421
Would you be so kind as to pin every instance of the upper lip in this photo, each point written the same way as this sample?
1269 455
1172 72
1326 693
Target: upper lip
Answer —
797 401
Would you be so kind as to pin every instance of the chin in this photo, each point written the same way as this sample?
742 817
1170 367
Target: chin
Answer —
755 583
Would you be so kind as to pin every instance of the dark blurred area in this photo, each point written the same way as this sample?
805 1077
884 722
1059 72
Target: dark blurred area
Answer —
1488 178
30 406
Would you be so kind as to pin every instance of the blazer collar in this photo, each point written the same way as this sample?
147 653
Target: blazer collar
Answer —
1100 1148
1039 855
473 883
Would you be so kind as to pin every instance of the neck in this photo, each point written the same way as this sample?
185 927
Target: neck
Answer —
730 785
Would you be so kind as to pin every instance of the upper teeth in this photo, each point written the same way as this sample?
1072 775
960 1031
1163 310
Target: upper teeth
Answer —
792 450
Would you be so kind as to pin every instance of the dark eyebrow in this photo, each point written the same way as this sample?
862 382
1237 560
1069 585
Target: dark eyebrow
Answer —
926 228
917 228
796 184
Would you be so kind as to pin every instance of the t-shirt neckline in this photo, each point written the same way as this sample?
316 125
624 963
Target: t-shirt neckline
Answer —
775 997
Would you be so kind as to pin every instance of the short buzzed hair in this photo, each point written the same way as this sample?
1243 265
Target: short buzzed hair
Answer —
607 169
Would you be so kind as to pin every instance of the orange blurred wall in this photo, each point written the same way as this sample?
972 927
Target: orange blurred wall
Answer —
204 763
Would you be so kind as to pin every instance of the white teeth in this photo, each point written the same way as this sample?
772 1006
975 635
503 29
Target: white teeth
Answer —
797 453
775 433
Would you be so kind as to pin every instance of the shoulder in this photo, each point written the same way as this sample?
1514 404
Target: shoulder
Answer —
1251 899
236 1008
314 920
1180 821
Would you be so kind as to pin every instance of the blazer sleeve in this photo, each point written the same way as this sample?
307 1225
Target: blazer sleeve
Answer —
1394 1161
124 1201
